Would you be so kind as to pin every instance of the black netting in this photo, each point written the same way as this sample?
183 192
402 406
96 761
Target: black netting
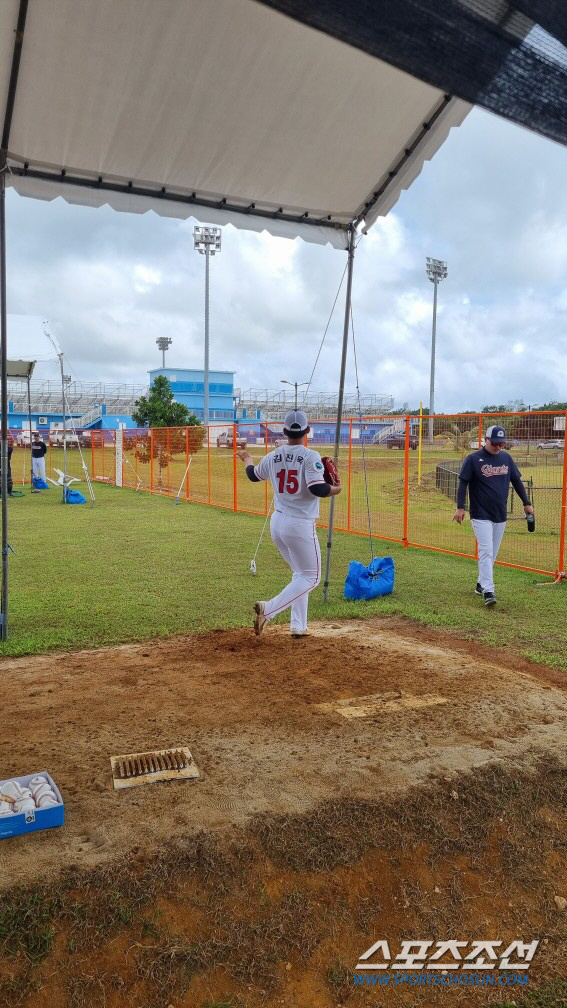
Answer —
506 57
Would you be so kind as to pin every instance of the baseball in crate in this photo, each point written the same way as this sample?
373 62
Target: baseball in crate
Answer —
29 803
299 479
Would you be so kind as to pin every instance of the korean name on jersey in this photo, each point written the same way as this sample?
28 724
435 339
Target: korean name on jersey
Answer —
292 469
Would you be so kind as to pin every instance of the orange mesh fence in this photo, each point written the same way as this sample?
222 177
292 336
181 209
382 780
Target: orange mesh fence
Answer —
54 459
538 450
399 475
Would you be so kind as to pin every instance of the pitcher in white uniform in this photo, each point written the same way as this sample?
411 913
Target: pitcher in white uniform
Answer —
296 474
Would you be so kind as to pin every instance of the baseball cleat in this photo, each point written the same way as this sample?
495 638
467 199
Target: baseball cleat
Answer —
478 589
299 633
259 619
489 598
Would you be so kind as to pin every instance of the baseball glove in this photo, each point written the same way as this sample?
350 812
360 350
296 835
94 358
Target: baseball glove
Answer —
330 473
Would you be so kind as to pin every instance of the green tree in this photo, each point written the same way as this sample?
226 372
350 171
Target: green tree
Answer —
159 410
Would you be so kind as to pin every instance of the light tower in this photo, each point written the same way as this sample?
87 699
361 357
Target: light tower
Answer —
207 242
163 343
436 271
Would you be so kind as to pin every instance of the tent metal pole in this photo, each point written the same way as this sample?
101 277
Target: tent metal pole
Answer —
4 397
352 235
31 449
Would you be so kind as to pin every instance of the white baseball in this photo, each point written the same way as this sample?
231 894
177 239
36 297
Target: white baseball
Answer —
37 780
5 808
39 790
48 801
11 789
23 804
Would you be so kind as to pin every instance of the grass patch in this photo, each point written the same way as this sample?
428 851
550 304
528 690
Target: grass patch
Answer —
26 921
137 567
549 996
495 829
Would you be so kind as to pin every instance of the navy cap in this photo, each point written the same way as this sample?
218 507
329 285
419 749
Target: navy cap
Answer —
496 434
295 423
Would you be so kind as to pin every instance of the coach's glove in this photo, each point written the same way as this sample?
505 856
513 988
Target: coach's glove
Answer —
330 473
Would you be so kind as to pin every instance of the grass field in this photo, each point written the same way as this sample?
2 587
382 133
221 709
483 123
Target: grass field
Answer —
136 566
215 477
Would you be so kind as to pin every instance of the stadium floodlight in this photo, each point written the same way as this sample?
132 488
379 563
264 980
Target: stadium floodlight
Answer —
207 242
163 343
295 385
436 271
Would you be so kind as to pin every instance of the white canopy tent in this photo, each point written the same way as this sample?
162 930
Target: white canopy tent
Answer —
224 111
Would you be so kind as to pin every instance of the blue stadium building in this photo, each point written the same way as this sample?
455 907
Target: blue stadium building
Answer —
188 387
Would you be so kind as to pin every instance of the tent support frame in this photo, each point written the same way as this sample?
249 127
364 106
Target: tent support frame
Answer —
348 300
30 429
6 125
4 397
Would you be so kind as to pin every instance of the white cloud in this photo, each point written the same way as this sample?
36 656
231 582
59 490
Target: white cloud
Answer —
492 203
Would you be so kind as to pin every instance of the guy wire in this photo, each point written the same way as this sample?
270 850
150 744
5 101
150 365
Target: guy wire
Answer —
306 392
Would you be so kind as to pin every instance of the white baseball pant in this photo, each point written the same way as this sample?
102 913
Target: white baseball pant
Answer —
296 539
38 468
488 536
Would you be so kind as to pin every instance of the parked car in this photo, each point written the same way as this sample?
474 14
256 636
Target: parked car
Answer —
398 441
227 440
23 439
554 443
56 439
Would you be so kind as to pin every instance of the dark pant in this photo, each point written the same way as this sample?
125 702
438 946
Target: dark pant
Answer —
10 482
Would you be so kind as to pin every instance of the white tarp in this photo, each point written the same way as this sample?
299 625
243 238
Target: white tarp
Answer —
222 110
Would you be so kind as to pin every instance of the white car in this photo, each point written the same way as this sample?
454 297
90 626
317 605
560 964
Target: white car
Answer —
23 439
556 444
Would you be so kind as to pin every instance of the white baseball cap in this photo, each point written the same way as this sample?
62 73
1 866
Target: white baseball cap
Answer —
295 423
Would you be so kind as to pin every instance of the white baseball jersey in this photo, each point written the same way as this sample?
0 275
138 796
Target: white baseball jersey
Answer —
292 469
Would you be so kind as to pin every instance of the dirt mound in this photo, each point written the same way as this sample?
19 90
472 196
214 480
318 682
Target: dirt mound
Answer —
371 781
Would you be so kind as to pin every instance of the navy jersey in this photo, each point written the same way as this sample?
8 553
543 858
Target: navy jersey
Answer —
38 449
488 478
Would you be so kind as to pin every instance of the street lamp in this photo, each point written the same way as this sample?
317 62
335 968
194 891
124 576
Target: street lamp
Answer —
163 343
207 242
295 385
436 271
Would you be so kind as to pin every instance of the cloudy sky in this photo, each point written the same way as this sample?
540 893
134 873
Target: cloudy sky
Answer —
492 203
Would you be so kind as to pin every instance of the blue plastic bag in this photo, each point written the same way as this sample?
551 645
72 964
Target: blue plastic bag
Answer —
369 582
74 497
39 483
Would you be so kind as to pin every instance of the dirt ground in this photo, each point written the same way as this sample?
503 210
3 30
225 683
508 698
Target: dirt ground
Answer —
250 710
357 711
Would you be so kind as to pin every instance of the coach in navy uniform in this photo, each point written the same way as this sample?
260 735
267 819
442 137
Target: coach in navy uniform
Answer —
487 474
